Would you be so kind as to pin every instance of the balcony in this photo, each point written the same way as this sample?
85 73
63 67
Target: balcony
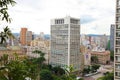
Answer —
117 77
117 69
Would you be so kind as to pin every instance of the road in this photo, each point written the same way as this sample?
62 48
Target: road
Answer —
97 76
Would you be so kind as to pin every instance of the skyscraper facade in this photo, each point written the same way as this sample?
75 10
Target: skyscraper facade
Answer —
28 37
65 42
117 43
23 36
112 34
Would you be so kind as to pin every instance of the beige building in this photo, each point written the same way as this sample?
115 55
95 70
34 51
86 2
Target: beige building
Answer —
28 37
103 56
11 51
86 55
39 44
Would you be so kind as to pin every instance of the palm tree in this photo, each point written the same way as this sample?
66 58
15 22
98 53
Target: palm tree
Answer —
4 59
2 38
6 34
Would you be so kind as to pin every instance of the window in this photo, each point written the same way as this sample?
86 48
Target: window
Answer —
118 10
118 18
118 58
59 21
117 74
118 2
118 66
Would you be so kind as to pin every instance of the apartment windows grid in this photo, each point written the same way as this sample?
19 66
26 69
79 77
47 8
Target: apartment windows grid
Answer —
117 43
65 42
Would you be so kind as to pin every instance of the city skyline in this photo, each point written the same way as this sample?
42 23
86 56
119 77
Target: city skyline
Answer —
96 16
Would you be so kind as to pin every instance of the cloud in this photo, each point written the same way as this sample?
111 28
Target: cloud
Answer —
86 19
36 15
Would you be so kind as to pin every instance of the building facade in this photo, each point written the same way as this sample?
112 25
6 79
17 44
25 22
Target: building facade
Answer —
11 51
117 43
103 41
86 55
28 37
39 44
103 56
65 42
23 36
112 31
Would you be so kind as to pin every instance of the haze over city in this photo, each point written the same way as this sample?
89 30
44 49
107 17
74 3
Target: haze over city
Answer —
96 15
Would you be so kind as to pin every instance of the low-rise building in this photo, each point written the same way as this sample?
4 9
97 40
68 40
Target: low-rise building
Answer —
103 56
41 45
11 51
86 55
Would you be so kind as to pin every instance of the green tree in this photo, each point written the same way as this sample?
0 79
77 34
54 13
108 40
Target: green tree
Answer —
95 67
81 79
4 59
112 55
4 16
69 73
45 75
31 69
94 59
86 70
108 76
13 70
58 71
108 45
39 61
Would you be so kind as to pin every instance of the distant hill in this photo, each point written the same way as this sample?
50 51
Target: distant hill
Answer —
47 36
95 35
16 34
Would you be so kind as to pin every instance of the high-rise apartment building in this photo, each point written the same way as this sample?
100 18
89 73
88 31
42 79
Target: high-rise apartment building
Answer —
23 36
112 34
65 42
103 41
117 43
28 37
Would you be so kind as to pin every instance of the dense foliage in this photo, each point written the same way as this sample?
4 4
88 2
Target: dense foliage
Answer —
91 69
94 59
108 76
33 68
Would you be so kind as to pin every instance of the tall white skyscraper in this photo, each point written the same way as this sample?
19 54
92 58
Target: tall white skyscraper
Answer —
65 42
117 43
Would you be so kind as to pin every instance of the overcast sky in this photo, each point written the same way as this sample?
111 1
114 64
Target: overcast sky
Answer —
96 15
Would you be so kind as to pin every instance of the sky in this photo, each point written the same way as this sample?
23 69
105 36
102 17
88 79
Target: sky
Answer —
96 16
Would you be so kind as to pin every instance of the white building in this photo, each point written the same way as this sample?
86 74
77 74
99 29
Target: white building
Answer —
65 42
117 43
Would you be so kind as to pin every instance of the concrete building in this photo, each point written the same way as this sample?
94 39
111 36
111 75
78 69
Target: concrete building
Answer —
86 55
112 35
11 51
65 42
28 37
39 44
103 56
103 41
117 43
23 36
